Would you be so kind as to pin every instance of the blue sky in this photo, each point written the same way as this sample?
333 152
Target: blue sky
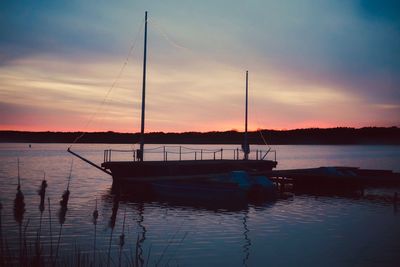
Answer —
312 64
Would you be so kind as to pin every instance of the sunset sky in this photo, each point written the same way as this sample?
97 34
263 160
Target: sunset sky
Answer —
311 63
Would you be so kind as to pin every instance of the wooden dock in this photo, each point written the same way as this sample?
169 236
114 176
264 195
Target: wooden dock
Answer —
334 178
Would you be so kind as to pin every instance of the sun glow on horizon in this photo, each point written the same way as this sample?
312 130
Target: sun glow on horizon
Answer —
177 101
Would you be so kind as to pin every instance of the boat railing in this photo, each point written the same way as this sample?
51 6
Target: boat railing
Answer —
168 153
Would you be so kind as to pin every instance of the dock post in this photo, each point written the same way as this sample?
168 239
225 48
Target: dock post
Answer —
222 153
195 155
237 153
214 155
282 185
164 152
201 154
180 153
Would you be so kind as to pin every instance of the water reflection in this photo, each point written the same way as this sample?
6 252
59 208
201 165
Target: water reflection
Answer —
19 210
247 243
111 223
192 207
122 239
95 215
141 235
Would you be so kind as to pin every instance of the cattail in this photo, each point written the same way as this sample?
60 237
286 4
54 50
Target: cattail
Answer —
19 204
19 209
63 211
42 194
95 214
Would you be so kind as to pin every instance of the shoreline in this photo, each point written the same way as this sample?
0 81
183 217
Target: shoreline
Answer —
310 136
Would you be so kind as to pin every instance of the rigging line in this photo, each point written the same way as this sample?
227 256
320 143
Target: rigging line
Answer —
113 84
130 54
262 137
255 110
164 34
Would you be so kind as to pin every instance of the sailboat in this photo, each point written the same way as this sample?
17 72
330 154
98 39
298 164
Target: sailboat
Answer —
219 168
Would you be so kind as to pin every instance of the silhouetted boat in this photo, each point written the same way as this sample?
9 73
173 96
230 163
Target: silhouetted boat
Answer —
174 174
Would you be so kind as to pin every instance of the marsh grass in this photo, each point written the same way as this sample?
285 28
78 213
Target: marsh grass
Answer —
30 251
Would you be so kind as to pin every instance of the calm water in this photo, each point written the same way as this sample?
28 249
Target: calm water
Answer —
300 231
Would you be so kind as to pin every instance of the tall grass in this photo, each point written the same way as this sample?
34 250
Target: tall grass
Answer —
63 211
38 245
31 251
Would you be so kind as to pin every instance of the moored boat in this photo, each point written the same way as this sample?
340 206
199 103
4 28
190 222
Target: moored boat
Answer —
167 173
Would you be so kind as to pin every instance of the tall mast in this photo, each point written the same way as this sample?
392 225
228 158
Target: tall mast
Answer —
141 156
246 148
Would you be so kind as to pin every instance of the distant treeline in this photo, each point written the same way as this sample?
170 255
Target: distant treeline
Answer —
369 135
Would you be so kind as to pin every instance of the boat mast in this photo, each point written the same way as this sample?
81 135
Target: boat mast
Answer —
141 151
246 148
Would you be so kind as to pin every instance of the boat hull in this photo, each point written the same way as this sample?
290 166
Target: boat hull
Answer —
198 191
136 171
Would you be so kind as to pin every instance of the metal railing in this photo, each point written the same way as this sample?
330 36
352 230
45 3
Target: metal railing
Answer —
168 153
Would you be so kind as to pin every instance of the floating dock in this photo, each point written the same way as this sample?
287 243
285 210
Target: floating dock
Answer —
334 178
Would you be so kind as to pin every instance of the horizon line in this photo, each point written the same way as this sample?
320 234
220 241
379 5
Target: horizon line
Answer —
213 131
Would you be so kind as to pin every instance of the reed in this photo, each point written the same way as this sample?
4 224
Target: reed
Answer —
31 251
95 216
19 210
42 194
63 212
29 257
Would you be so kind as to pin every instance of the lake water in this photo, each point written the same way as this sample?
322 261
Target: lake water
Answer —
302 230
